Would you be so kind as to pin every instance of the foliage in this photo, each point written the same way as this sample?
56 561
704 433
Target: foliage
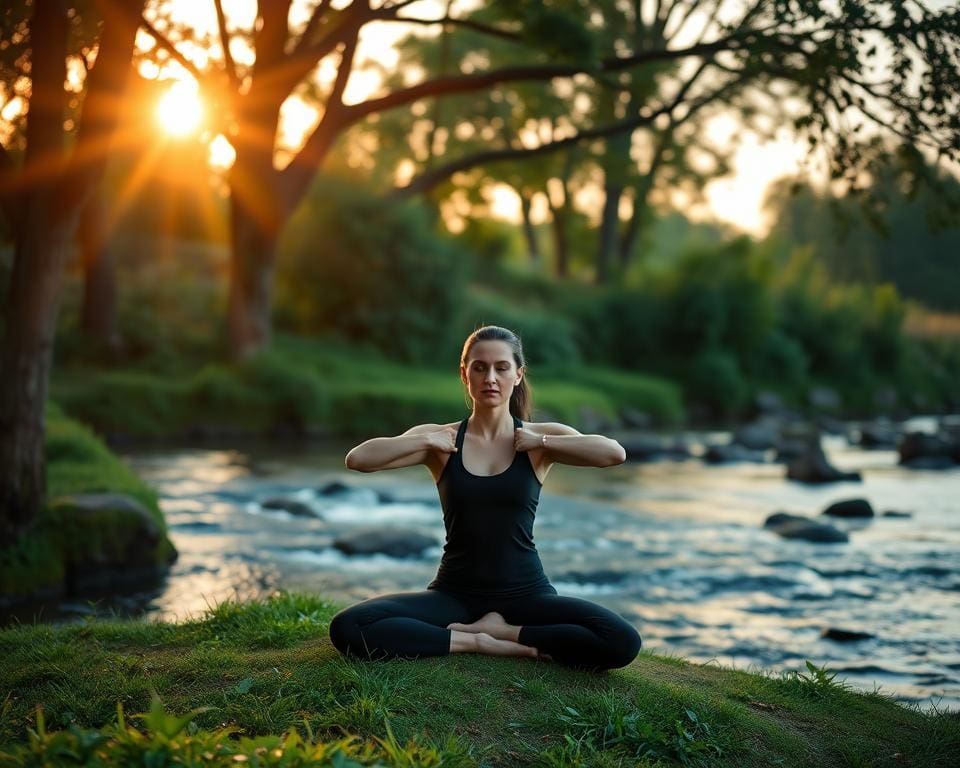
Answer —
892 237
346 265
176 740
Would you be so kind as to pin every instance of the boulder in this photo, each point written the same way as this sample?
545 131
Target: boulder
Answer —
812 467
799 527
395 542
879 434
824 399
894 513
850 508
924 445
646 447
291 506
335 488
724 453
844 635
109 541
758 435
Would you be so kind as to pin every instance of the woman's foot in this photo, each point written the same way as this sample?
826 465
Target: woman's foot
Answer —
492 624
481 642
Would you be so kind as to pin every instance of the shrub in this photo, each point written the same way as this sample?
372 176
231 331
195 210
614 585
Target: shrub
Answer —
369 269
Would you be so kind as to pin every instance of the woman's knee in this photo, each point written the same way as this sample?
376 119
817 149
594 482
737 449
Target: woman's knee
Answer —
344 631
624 646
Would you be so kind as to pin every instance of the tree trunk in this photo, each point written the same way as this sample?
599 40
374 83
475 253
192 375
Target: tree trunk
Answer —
251 285
609 230
561 245
529 233
98 317
31 313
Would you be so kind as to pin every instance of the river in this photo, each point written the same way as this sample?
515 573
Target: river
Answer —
676 547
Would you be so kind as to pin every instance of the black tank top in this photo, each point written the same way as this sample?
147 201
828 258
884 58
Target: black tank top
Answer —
489 521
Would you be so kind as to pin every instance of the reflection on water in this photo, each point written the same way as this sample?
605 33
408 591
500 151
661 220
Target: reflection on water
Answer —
678 548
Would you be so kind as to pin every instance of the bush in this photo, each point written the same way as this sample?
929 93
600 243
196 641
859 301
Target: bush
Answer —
547 337
369 269
714 379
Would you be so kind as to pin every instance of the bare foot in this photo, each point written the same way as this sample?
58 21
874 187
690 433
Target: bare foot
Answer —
492 624
491 646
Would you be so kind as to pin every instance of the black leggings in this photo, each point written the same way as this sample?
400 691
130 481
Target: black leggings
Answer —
573 631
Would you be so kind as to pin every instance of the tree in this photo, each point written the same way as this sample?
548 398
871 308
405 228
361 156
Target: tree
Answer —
818 48
796 62
42 198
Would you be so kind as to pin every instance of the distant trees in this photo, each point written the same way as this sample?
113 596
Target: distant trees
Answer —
896 235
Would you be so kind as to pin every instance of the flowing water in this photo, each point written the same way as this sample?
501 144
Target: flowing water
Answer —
676 547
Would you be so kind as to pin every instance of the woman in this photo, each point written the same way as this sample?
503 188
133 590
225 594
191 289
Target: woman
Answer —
490 594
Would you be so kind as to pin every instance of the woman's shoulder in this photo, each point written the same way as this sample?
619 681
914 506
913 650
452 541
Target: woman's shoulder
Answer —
549 428
421 428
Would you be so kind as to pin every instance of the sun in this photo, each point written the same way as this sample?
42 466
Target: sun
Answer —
180 109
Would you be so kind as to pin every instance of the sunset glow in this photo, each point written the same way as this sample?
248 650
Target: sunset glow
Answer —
180 109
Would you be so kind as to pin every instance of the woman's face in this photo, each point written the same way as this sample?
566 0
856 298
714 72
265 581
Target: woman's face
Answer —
490 373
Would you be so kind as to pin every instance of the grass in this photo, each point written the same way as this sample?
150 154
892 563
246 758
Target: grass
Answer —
77 462
262 680
309 386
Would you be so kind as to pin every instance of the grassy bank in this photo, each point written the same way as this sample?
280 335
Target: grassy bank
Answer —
316 386
268 672
77 462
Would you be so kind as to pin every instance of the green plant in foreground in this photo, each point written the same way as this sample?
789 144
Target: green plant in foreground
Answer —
686 739
819 682
170 739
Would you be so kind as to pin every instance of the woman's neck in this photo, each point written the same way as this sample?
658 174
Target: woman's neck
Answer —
491 423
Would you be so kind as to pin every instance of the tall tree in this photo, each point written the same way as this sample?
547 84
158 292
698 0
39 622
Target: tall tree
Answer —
819 47
42 198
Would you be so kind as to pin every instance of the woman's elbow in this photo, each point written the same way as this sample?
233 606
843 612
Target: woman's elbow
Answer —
350 462
618 456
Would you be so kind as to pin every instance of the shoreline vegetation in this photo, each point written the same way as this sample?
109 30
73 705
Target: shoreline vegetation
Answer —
260 682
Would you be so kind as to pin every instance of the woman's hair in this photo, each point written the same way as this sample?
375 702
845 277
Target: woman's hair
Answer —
521 400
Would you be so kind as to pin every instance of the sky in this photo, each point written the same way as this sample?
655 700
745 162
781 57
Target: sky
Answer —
736 200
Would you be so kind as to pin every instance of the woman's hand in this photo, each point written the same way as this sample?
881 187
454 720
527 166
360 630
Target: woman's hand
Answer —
524 439
444 440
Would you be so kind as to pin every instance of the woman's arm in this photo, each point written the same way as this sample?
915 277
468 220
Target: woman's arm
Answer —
565 445
412 447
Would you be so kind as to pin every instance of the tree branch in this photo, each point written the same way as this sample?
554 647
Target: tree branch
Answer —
170 48
444 86
228 61
312 23
476 26
427 181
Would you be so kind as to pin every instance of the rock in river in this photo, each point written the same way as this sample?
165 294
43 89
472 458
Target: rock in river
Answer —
799 527
850 508
395 542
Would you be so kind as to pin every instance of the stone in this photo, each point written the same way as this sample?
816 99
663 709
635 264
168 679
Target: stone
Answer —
894 513
799 527
850 508
334 488
109 541
824 399
291 506
813 467
844 635
730 452
395 542
758 435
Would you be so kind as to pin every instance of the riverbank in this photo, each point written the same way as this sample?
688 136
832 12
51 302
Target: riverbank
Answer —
265 667
100 528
